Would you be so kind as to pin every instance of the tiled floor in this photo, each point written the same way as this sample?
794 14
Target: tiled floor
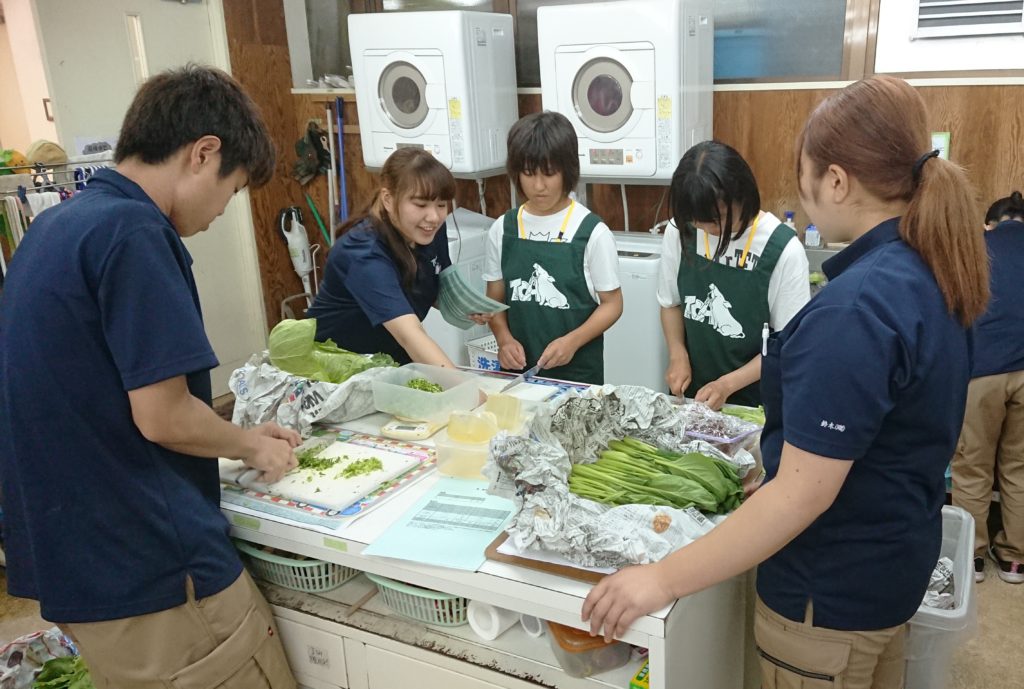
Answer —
991 659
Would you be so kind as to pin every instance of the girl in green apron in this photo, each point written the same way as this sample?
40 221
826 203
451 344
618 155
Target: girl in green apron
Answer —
551 260
723 291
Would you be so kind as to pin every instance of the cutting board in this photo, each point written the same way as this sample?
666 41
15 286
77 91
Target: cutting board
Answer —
566 571
529 392
330 490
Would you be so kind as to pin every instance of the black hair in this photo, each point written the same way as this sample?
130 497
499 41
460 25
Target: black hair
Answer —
547 142
712 173
407 173
180 106
1012 206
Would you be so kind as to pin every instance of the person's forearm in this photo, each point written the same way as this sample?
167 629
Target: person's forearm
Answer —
422 349
604 317
674 329
499 323
747 374
187 425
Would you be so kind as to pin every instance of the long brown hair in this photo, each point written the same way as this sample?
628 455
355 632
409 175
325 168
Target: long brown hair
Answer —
877 131
408 172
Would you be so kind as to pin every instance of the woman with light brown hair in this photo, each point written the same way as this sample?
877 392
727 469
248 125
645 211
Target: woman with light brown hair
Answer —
864 394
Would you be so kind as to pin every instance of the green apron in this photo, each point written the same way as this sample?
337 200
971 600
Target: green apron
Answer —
725 308
546 291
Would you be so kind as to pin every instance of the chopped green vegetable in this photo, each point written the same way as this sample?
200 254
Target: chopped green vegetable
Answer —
424 385
632 472
746 413
817 278
293 349
311 459
360 467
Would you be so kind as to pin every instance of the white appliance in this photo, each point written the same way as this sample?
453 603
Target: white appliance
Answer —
467 244
634 77
635 352
442 81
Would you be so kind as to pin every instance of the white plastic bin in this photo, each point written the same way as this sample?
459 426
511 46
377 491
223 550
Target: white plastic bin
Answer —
934 634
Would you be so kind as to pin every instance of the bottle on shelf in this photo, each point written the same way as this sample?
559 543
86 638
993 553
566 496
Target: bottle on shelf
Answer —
812 239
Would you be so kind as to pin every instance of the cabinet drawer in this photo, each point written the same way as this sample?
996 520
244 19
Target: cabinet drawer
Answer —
388 670
313 653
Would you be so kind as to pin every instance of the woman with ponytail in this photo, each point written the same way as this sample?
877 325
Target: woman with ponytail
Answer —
992 439
864 394
381 276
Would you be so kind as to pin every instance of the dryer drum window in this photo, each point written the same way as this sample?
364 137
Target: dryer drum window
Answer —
402 92
601 95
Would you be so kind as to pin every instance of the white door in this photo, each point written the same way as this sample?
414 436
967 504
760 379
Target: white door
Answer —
96 54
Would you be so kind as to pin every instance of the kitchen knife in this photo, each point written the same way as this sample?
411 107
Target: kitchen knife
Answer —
529 373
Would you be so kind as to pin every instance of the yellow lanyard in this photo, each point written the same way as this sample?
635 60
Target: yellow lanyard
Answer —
746 249
561 231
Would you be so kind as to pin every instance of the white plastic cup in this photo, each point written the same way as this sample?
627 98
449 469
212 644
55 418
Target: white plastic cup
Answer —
533 626
488 621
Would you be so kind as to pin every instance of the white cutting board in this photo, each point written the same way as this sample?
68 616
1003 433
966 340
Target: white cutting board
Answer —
528 392
329 490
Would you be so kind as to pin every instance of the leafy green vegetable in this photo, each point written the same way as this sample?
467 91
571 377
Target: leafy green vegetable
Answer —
817 278
424 385
68 672
293 349
311 459
361 467
631 471
746 413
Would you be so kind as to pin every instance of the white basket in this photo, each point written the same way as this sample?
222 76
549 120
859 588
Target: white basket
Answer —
310 576
422 604
934 634
483 353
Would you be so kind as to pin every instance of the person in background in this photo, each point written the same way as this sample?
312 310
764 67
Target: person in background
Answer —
108 445
864 396
720 291
992 439
551 260
381 277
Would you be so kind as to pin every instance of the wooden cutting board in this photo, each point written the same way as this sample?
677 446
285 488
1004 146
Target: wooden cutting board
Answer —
330 489
566 571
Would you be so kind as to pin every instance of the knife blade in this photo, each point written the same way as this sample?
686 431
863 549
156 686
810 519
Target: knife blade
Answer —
521 378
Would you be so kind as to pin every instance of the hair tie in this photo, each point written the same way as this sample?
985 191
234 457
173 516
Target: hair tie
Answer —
919 165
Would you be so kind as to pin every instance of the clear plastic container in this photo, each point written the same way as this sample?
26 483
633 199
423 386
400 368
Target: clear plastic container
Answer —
392 396
508 411
582 655
463 447
934 634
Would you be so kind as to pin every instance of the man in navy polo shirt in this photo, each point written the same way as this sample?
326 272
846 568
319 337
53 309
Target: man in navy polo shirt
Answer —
108 474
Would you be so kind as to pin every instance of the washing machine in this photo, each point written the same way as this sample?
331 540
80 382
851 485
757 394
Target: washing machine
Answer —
635 79
467 246
442 81
635 352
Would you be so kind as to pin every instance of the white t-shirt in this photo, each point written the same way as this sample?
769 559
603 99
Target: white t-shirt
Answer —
600 258
788 288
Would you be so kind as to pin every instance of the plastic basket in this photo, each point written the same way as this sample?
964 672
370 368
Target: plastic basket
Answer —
934 634
422 604
483 353
309 576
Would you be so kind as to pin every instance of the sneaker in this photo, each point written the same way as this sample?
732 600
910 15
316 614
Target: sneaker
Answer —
979 569
1011 572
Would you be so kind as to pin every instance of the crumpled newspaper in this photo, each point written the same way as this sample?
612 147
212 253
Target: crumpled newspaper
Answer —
941 588
22 659
265 393
534 471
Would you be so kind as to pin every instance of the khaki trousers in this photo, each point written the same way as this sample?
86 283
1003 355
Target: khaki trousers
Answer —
798 655
992 443
226 641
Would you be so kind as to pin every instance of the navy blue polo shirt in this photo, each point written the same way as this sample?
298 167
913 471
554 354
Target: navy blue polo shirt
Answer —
362 289
999 334
100 523
874 370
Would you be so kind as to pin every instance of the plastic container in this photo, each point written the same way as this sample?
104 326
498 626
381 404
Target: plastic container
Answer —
391 396
812 237
421 604
463 447
483 353
934 634
582 655
507 410
729 446
310 576
789 221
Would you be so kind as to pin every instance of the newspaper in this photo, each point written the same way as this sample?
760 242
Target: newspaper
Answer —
941 589
264 393
534 471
